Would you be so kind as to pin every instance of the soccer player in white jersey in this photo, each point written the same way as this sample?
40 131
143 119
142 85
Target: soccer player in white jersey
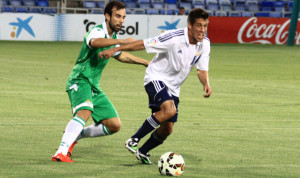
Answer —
83 86
178 52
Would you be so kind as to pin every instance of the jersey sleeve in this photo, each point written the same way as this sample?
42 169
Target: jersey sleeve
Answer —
95 33
203 63
157 44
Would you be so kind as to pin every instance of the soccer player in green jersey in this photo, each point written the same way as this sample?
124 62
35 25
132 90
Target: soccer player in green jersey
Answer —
83 87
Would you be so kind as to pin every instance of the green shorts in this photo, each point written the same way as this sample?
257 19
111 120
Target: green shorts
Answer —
83 97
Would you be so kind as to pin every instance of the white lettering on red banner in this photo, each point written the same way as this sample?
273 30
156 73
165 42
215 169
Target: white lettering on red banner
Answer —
253 31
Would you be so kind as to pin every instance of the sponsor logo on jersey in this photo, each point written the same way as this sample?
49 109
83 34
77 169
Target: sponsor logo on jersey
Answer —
74 86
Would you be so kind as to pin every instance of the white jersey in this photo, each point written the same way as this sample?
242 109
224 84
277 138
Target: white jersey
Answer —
175 58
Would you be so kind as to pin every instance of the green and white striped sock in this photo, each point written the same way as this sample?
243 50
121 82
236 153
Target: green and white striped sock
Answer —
72 131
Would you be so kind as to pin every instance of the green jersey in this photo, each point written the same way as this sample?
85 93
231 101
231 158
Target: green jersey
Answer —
88 65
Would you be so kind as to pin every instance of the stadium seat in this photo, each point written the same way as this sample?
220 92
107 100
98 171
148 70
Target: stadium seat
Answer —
139 11
97 11
7 9
221 13
130 3
275 14
21 9
162 12
278 5
211 13
225 5
169 12
4 2
129 11
234 14
100 4
252 5
152 11
247 14
290 5
42 3
266 6
198 4
187 5
239 5
144 4
212 5
35 10
158 4
171 4
262 14
49 11
89 4
15 3
29 2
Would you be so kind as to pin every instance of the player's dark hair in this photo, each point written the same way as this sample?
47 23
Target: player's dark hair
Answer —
117 4
196 14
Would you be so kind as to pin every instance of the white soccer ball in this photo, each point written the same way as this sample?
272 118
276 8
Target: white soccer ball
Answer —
171 164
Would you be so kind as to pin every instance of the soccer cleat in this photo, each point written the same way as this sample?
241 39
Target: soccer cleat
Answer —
131 145
62 158
71 149
144 158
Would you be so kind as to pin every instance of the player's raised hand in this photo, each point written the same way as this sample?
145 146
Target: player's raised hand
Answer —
106 54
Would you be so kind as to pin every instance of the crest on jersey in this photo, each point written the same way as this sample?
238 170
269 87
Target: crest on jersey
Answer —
151 42
196 57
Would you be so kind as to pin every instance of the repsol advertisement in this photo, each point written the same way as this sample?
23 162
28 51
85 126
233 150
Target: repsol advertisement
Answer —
78 25
130 30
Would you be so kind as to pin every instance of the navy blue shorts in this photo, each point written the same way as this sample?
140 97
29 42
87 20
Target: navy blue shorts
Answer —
158 93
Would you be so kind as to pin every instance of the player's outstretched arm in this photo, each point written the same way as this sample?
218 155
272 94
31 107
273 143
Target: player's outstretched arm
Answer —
134 46
203 77
104 42
128 58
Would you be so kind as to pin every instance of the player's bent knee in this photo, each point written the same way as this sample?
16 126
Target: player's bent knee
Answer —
114 128
170 113
113 124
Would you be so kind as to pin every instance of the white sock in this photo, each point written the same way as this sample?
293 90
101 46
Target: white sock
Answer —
72 131
94 131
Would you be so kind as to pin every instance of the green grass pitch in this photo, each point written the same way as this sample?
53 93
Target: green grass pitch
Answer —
249 127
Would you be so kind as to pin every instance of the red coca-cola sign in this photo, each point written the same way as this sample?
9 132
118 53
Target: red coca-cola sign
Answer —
250 30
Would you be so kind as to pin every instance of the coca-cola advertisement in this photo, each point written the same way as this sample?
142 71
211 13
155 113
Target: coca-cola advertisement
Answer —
250 30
